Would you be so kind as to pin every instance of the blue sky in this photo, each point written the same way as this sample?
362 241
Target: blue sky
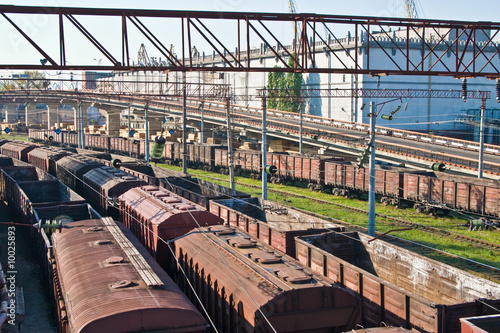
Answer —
107 31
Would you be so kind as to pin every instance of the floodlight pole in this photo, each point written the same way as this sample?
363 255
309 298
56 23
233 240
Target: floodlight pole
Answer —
184 127
371 189
264 148
229 145
146 114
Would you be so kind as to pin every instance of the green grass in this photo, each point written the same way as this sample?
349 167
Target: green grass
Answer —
12 136
443 243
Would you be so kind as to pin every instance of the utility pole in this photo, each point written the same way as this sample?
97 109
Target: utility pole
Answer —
229 145
146 111
202 128
481 140
264 147
129 129
300 130
184 127
371 189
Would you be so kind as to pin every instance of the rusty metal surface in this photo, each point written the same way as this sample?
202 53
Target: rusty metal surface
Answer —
482 324
399 287
155 214
104 184
238 279
270 222
70 170
17 150
87 281
453 39
45 158
199 191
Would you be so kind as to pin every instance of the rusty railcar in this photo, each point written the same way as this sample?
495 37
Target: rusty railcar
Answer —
105 281
299 167
17 150
70 170
203 154
246 286
45 158
25 188
151 174
272 223
103 186
244 161
200 191
399 287
173 152
481 196
480 324
156 215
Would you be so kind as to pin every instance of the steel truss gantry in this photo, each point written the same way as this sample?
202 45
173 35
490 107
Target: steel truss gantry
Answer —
401 46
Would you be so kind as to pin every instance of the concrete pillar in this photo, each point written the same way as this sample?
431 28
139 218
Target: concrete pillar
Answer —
52 114
11 113
113 121
3 109
85 117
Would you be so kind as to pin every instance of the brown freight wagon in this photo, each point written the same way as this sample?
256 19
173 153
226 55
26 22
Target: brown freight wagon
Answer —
200 191
246 286
156 215
399 287
270 222
172 152
70 171
103 186
105 281
480 196
132 147
150 173
302 168
203 154
249 161
25 188
17 150
45 158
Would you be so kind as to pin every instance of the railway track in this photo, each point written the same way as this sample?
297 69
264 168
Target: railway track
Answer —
484 270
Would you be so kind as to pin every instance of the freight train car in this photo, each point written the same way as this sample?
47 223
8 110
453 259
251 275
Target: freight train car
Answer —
45 158
246 286
399 287
70 170
150 173
272 223
18 150
156 216
199 191
244 161
25 188
103 186
441 191
301 168
105 281
201 155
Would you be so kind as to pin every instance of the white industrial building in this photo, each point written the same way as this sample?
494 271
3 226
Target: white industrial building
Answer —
429 115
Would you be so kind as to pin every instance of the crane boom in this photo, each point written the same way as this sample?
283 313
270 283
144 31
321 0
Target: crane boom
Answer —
411 9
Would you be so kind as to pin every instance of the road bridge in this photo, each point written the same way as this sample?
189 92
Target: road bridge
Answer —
394 146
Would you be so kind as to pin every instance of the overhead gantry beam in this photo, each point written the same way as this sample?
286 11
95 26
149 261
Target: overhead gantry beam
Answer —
373 45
